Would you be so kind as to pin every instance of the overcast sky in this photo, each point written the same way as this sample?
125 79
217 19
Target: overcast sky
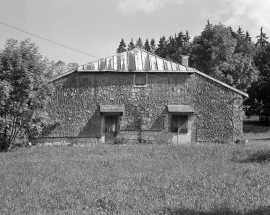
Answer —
97 26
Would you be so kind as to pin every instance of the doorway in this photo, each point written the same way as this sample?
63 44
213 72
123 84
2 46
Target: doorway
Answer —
111 128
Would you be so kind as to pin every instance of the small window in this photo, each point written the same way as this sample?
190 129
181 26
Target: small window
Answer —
140 79
179 124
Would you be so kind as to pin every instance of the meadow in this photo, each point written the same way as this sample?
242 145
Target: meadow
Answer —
138 179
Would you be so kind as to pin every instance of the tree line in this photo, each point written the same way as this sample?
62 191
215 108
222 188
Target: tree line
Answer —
227 55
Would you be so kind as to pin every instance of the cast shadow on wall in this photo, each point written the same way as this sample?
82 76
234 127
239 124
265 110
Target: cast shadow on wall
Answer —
162 136
92 129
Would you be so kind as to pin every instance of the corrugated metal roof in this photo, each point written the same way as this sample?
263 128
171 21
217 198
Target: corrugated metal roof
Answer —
135 60
112 108
180 109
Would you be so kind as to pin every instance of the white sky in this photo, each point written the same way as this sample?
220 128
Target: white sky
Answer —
97 26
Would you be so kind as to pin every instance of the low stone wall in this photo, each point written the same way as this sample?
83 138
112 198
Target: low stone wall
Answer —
65 141
157 137
160 137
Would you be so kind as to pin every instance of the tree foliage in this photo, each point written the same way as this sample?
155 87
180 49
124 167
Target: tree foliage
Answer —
262 39
153 46
54 69
122 47
258 102
225 55
147 45
131 45
24 93
139 43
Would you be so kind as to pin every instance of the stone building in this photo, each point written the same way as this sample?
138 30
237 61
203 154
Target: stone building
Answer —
138 94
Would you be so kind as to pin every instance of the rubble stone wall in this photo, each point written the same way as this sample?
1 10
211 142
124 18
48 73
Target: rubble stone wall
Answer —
75 104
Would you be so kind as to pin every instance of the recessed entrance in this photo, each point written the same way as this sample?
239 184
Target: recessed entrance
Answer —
111 128
110 122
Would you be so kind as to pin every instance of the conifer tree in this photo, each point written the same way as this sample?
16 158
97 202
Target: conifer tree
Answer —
179 39
161 47
262 39
139 43
187 37
240 34
147 46
122 47
152 46
131 45
247 37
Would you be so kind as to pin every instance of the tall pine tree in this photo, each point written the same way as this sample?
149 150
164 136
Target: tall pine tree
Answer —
122 47
162 47
262 39
147 46
131 45
139 43
153 46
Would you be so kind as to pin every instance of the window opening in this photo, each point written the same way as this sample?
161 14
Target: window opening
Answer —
140 79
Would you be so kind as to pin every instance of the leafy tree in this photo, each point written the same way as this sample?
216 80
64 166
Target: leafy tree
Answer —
147 46
152 46
54 69
139 43
24 92
131 45
258 102
122 47
215 53
72 66
262 39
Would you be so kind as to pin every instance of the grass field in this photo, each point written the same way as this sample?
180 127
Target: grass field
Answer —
256 133
136 179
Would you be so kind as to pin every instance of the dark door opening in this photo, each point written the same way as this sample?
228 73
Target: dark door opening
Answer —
111 128
179 124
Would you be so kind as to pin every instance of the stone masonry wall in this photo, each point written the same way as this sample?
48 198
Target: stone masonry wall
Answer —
78 96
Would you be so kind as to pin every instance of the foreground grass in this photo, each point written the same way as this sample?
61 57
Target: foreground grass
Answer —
136 179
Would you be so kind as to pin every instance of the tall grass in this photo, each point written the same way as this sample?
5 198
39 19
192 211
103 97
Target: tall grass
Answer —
135 179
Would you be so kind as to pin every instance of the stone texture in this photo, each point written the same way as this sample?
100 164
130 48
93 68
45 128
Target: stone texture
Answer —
76 101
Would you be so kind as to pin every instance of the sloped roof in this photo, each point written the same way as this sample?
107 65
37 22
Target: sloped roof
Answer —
139 60
135 60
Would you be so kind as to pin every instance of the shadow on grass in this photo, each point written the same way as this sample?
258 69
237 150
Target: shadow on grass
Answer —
262 139
255 127
223 211
260 157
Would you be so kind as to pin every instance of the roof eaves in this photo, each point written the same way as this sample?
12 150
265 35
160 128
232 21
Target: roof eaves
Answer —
63 75
220 82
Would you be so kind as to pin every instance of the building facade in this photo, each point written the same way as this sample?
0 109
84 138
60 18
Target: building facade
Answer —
137 95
